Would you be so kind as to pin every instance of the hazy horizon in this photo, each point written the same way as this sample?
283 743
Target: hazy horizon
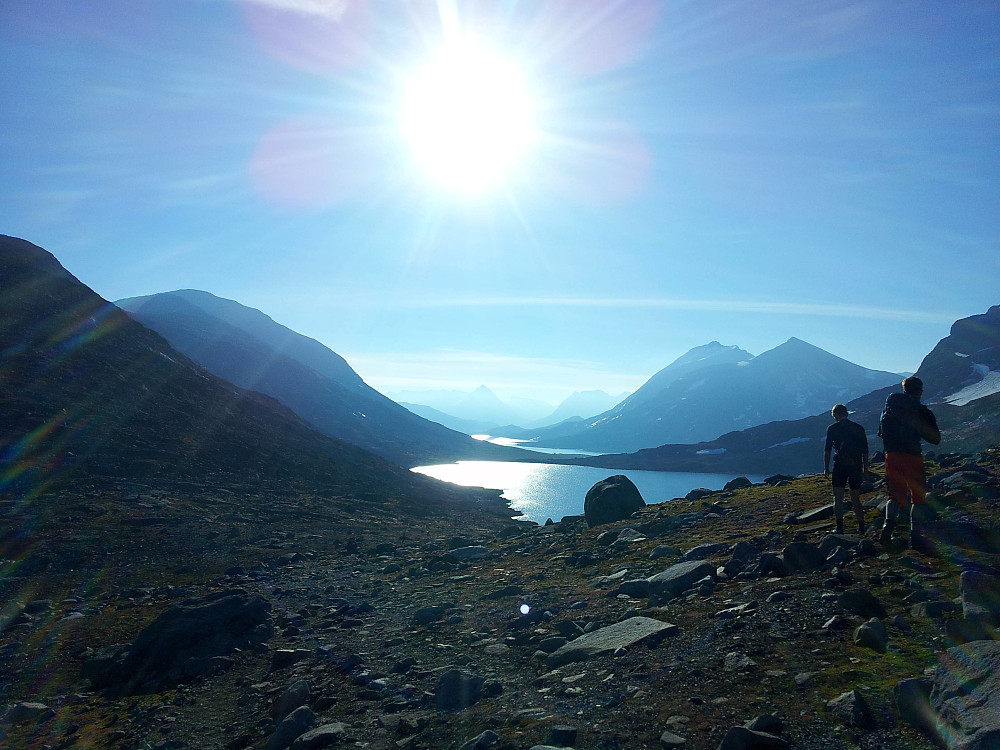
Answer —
542 199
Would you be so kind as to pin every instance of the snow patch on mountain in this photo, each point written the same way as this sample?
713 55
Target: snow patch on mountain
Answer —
989 385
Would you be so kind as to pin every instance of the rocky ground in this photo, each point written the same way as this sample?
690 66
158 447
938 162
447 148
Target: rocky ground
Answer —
181 616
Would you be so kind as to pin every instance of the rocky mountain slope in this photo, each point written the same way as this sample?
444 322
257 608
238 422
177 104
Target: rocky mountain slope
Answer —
88 390
246 347
713 390
965 365
286 620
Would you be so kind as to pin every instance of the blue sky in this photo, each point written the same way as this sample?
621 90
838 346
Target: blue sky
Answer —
732 171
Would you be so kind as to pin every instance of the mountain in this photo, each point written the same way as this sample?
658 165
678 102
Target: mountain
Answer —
715 389
466 426
581 404
969 424
481 407
246 347
87 390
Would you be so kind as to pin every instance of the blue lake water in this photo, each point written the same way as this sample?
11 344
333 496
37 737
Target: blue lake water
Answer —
542 491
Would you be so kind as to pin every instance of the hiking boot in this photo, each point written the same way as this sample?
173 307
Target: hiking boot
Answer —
885 538
840 526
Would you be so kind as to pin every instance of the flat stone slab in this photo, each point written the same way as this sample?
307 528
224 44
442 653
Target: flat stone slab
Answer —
815 514
680 577
609 639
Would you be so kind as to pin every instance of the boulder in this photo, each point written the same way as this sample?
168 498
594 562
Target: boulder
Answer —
293 726
297 694
609 639
173 647
671 741
678 578
965 696
457 690
698 494
852 708
324 736
802 556
861 602
741 738
739 483
703 551
612 499
464 554
872 635
428 615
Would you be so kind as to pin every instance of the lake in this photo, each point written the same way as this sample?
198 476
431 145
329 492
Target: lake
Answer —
542 491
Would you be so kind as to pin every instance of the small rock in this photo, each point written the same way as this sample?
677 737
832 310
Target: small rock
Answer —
737 662
27 712
766 723
482 742
324 736
872 635
428 615
669 741
853 709
562 736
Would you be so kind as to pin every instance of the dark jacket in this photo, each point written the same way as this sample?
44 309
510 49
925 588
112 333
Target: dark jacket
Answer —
904 423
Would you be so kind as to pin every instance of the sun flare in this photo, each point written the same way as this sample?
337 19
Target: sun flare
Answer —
468 117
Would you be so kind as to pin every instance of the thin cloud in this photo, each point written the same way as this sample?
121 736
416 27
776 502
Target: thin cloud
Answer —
667 303
332 10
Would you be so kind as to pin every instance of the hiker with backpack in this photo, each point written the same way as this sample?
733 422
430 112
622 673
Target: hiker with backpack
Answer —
848 443
904 423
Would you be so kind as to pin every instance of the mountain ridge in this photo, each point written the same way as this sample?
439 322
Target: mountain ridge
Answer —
714 389
245 346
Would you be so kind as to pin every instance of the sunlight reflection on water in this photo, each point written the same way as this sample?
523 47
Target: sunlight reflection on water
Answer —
542 491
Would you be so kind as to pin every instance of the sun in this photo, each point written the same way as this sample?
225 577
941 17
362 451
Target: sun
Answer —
468 117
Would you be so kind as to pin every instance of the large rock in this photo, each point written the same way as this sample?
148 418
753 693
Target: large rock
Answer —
293 726
457 690
611 499
863 603
609 639
741 738
679 578
176 645
802 556
853 709
965 697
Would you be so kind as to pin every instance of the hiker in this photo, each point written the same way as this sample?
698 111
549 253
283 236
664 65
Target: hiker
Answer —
904 423
849 444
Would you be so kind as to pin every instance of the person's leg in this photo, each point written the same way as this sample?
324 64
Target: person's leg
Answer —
838 508
859 512
920 513
899 494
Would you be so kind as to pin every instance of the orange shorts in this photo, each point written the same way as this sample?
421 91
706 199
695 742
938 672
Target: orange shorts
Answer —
905 479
